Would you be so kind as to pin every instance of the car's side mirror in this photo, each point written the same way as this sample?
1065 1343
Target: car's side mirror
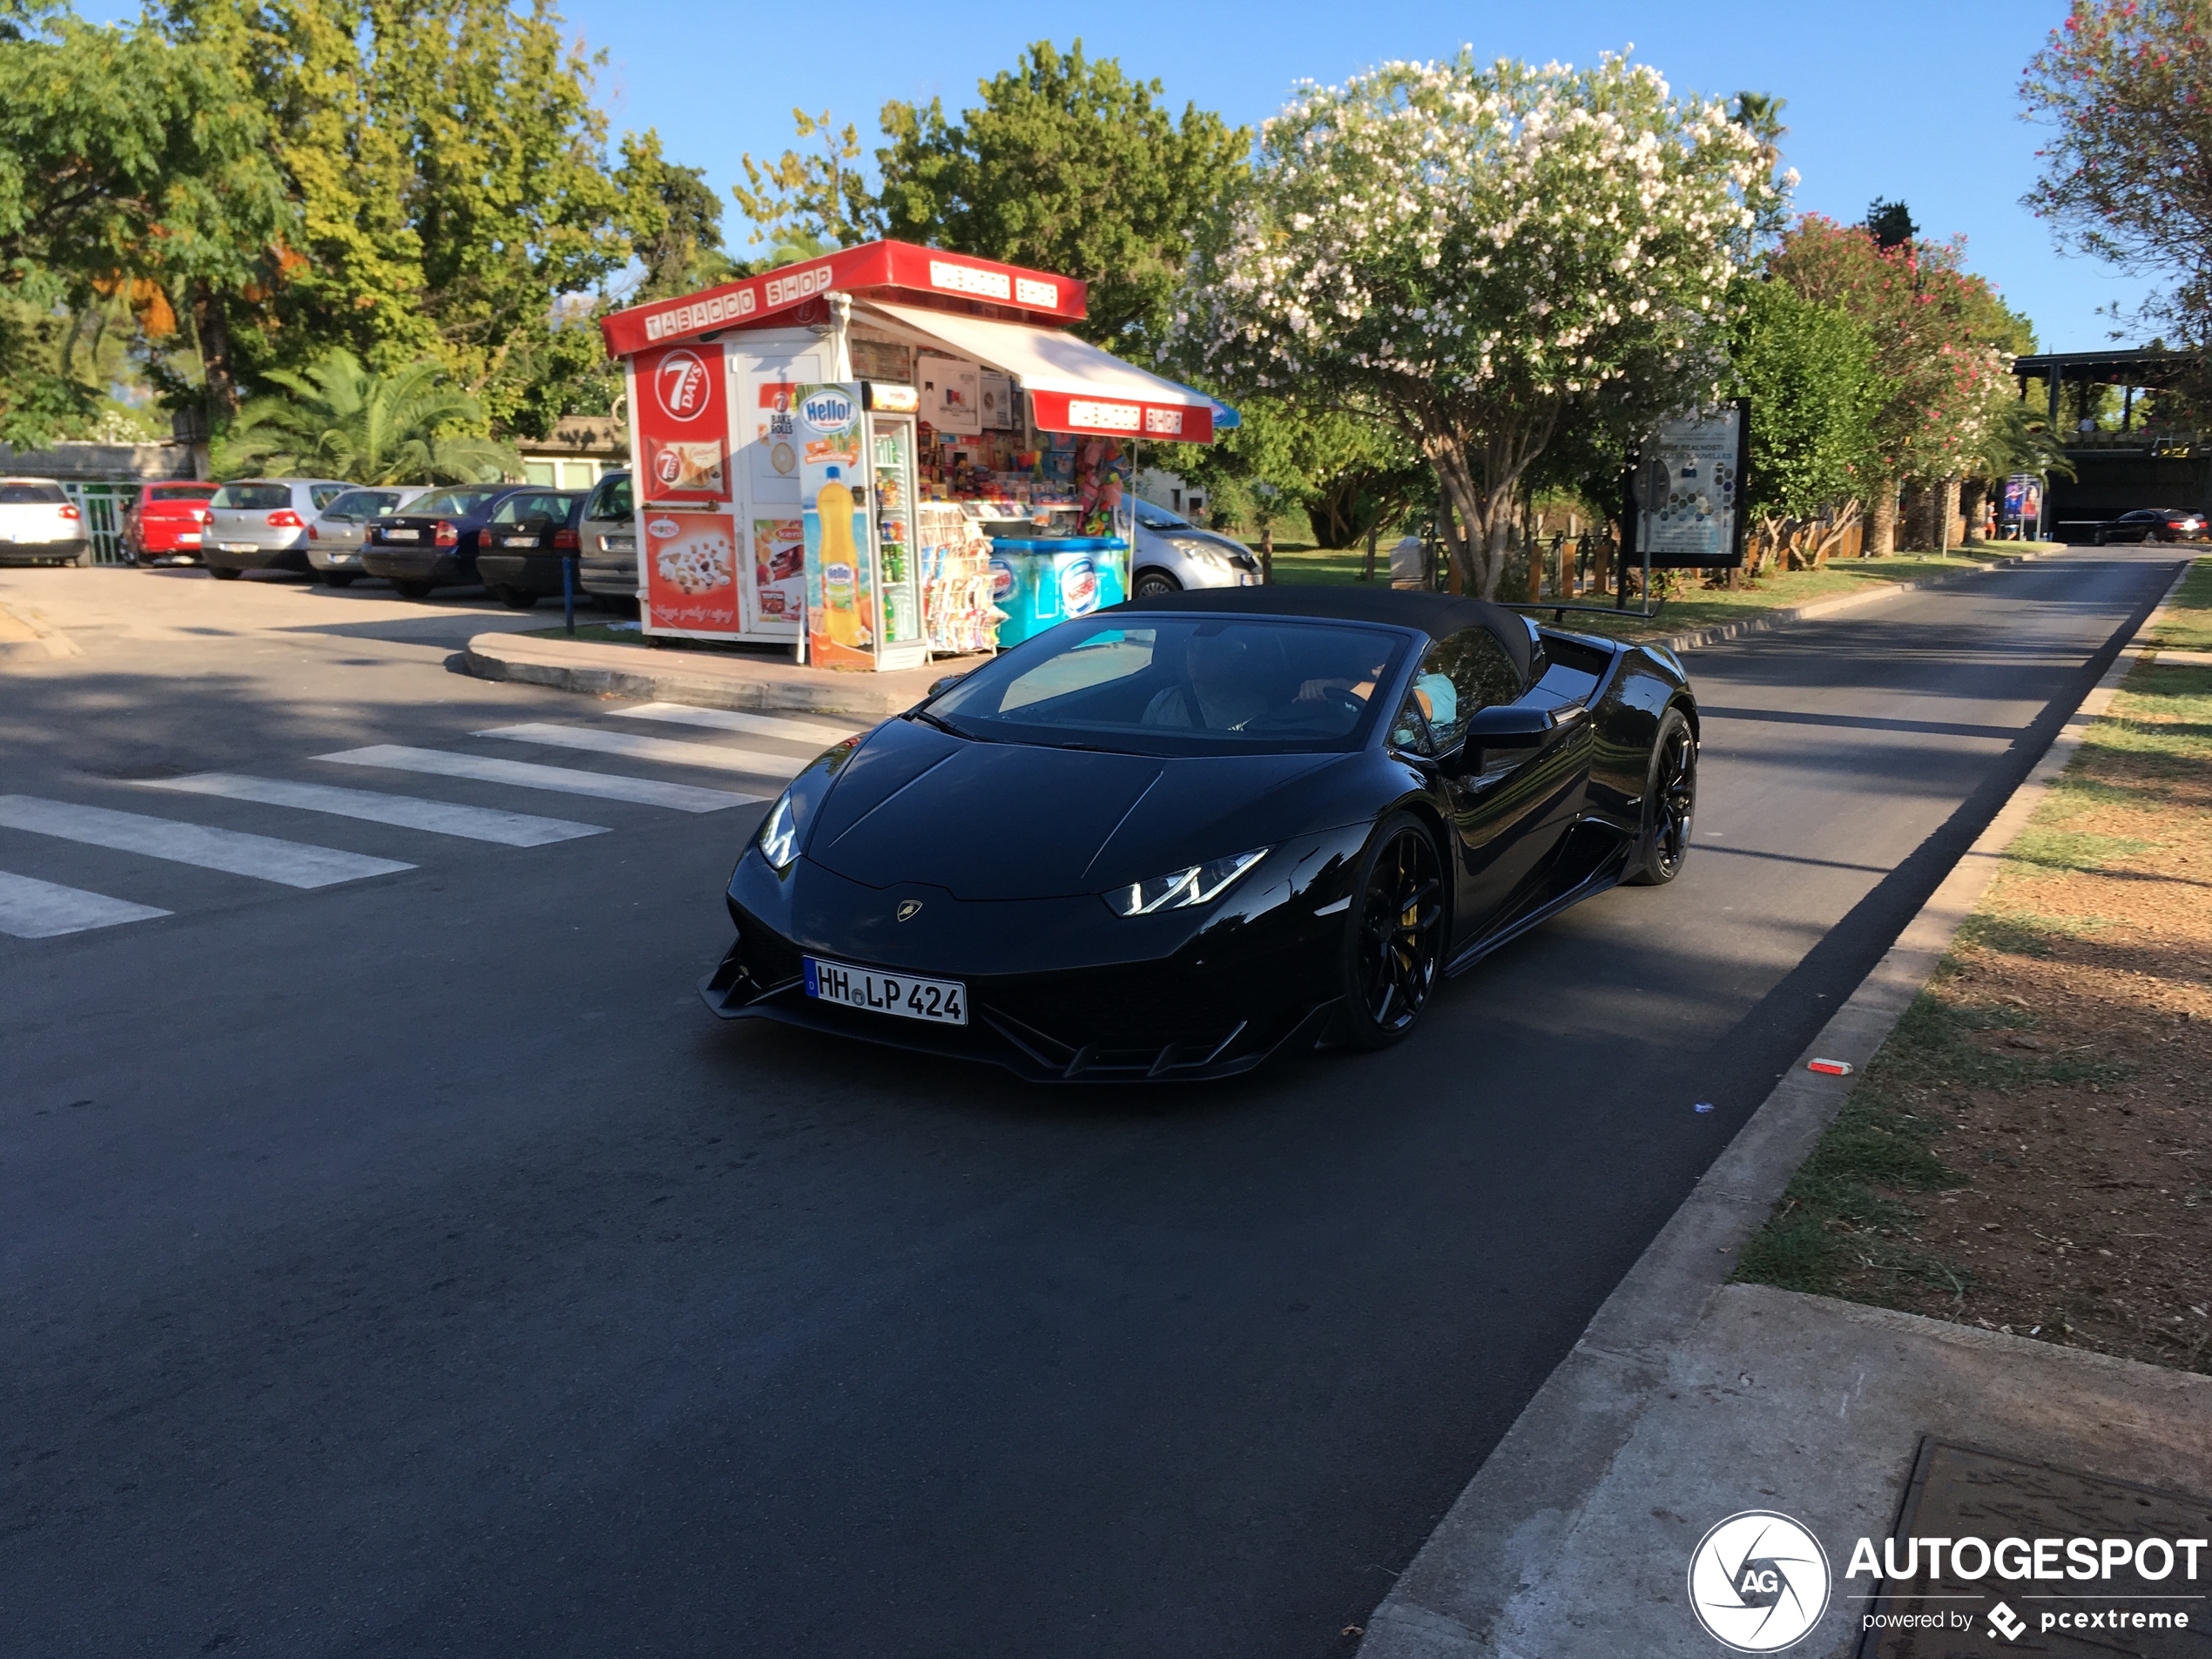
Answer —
1508 725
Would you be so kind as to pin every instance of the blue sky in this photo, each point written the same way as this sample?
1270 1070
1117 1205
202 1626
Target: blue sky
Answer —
1885 97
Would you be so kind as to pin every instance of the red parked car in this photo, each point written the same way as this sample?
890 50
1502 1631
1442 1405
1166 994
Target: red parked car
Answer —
167 521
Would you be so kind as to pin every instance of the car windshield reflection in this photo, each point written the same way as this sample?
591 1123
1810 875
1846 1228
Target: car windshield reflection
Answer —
1181 685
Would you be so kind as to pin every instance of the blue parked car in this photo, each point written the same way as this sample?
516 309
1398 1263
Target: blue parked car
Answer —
434 543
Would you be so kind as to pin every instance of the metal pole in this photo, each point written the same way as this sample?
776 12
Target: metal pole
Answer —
568 592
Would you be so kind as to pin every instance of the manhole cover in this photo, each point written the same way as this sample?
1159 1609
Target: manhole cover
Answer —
1959 1491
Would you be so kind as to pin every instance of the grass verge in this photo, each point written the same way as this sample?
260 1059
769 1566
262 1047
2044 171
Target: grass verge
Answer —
2031 1150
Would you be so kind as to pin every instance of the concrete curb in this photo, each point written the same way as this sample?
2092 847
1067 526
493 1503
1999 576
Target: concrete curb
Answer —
25 637
1530 1493
714 683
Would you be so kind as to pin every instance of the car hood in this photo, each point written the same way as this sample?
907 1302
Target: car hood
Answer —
1011 821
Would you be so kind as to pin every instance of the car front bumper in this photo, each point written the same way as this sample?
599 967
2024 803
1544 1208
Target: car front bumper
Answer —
1058 989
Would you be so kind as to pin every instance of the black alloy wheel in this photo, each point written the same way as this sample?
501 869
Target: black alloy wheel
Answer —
1394 946
1669 805
1150 584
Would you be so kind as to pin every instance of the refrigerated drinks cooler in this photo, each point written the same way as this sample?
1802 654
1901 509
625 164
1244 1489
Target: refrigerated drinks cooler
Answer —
857 497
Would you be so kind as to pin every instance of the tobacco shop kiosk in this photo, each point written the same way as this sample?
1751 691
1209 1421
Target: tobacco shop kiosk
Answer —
898 453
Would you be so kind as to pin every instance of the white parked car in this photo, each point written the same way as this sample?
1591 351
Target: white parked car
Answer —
261 524
1172 553
334 533
40 525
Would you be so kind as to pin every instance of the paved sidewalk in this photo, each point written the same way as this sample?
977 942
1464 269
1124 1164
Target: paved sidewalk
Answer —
1689 1400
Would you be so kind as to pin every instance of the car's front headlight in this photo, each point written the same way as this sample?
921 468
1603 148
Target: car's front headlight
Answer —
783 828
1179 889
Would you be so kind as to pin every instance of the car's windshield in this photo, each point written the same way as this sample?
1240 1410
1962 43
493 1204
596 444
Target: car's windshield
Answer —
533 503
252 498
1155 517
1181 685
461 502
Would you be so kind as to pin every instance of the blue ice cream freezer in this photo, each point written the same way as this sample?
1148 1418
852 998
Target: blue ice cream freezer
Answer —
1043 580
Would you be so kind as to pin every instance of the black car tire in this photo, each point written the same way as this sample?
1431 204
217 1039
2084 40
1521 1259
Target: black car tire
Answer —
223 574
1150 584
335 578
411 590
515 599
1394 938
1669 805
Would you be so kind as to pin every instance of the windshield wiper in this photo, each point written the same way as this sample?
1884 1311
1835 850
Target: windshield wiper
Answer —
945 726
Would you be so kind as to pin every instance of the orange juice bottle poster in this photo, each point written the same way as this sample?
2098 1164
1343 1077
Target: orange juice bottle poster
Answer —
841 575
691 571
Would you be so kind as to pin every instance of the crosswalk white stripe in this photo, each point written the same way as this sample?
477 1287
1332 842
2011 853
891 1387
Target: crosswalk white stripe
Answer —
407 812
30 908
292 864
666 750
445 763
766 726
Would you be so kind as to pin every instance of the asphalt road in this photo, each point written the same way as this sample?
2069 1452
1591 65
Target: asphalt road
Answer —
408 1265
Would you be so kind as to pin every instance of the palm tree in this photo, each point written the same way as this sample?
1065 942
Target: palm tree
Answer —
338 419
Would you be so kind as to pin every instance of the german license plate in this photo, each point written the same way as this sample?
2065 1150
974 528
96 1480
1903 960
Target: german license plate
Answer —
188 538
403 535
521 541
239 547
943 1002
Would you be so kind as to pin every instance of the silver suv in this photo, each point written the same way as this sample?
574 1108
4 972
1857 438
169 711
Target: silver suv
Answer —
1172 553
261 524
40 525
609 534
334 533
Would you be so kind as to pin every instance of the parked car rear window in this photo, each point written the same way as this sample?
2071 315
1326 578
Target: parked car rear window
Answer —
534 503
612 499
363 504
459 502
252 498
31 494
180 492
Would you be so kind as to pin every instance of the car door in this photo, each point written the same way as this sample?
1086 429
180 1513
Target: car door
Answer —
1510 806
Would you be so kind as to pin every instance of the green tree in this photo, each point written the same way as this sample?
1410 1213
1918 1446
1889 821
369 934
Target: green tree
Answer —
1349 473
1809 371
819 197
128 157
449 168
1484 255
674 220
2125 86
1889 224
1066 166
337 419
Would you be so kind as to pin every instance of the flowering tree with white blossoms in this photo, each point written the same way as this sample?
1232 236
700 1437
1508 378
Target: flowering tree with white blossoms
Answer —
1478 255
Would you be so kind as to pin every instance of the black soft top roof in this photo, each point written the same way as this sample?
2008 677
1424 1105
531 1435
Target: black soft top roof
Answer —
1433 614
